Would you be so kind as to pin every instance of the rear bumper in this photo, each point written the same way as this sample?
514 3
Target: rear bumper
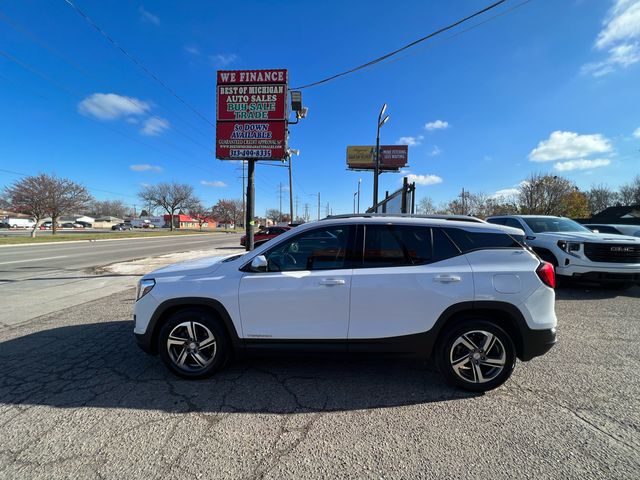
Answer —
537 342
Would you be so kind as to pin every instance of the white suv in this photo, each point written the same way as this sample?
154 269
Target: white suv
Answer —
577 252
468 295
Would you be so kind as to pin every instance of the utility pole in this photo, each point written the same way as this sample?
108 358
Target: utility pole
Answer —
464 196
249 214
359 182
297 205
376 171
280 211
318 205
290 193
306 212
328 210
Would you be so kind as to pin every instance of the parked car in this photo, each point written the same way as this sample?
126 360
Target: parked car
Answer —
577 252
468 295
83 224
631 230
68 225
121 227
264 235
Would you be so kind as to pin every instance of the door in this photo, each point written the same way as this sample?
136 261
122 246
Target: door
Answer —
409 275
304 294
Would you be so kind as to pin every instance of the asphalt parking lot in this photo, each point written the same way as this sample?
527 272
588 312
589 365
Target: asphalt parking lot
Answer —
79 400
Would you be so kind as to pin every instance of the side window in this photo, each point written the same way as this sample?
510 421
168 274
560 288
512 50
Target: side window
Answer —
443 247
396 245
512 222
468 240
497 221
318 249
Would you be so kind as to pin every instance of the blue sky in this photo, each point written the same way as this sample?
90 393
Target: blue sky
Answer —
548 87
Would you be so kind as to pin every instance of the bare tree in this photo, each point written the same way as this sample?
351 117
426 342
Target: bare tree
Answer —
46 195
425 206
31 196
630 192
228 211
601 197
273 214
544 194
112 208
200 214
171 197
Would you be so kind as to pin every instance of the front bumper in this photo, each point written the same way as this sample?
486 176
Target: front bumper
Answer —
537 342
596 268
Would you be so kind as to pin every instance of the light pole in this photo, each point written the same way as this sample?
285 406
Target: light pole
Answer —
376 171
355 194
290 152
358 207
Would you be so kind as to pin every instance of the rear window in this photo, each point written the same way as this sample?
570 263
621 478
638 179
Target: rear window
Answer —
468 241
393 245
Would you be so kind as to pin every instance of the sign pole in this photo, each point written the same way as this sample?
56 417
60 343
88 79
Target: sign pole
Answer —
251 166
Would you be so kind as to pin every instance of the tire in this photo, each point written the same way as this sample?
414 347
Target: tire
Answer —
198 357
475 369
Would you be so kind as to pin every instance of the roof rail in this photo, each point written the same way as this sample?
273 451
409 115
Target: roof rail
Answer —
457 218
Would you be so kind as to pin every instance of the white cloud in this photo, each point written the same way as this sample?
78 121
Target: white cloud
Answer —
148 17
619 38
621 24
567 145
214 183
192 49
154 126
435 151
637 133
506 193
582 164
110 106
223 59
436 125
145 167
411 141
424 179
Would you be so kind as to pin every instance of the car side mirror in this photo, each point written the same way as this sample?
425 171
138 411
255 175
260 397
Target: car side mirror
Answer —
529 237
259 264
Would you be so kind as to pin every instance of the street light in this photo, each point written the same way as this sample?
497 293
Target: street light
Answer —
376 172
358 208
290 152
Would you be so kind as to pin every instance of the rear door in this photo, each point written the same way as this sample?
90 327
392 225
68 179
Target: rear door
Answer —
408 276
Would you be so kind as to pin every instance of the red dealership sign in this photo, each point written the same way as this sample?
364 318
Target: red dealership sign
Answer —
251 111
251 140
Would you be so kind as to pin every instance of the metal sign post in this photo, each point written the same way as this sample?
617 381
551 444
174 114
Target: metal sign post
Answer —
250 212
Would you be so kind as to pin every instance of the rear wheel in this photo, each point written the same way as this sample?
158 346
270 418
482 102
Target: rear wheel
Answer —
193 344
476 355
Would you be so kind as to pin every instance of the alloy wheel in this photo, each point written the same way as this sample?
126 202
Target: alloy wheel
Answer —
477 356
191 346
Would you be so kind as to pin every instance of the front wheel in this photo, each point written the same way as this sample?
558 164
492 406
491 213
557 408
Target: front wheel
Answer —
193 344
476 355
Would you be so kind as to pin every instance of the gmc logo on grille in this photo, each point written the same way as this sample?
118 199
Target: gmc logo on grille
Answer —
622 249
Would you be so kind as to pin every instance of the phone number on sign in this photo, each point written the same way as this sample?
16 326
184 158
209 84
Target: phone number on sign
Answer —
264 153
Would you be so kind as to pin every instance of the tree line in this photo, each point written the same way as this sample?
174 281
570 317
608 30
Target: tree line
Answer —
539 195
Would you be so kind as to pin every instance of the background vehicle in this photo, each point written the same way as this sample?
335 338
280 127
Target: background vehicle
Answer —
631 230
264 235
468 295
19 222
577 252
121 227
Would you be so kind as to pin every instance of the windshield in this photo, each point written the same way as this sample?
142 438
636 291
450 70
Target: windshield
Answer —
554 224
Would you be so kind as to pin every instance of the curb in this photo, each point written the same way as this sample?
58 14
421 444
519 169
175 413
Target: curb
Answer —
65 242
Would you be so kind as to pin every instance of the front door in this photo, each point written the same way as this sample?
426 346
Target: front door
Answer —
304 294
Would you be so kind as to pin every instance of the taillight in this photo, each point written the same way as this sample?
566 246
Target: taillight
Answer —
547 274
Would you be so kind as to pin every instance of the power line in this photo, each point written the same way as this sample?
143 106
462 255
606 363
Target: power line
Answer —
405 47
16 25
64 88
136 61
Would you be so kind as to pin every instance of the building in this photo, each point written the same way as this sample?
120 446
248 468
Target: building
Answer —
181 220
106 222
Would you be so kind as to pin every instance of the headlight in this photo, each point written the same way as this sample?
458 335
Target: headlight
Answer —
144 287
572 248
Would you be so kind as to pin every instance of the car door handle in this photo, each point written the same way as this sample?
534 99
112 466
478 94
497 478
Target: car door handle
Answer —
447 278
332 281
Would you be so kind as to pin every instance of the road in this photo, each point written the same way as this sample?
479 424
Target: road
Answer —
78 399
39 279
